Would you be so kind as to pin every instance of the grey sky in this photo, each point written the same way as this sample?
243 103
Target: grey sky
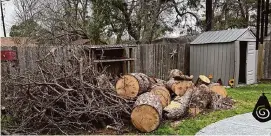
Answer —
9 14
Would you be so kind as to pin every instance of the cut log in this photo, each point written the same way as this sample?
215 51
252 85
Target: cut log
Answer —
131 85
217 88
147 112
175 73
160 81
179 87
201 97
203 80
179 106
178 75
220 102
162 93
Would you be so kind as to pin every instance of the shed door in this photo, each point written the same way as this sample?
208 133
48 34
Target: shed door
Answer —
251 64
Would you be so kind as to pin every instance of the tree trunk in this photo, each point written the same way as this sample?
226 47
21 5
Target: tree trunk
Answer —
162 93
179 106
179 87
147 112
131 85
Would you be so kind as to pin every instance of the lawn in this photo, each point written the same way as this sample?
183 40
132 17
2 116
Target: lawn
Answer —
245 97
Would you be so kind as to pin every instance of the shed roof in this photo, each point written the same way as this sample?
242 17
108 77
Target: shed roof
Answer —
219 36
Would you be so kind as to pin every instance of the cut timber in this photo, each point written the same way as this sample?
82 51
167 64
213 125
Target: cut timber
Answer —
217 88
175 73
179 106
129 86
162 93
201 97
147 112
203 80
179 87
218 102
178 75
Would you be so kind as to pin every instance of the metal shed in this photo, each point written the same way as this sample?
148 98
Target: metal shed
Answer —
226 54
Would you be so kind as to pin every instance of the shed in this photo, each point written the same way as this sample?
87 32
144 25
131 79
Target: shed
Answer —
226 54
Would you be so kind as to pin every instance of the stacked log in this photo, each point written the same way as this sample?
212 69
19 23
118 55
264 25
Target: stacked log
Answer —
153 96
179 106
147 112
131 85
163 94
200 99
179 87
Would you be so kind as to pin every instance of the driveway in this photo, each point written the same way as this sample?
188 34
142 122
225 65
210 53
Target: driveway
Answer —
243 124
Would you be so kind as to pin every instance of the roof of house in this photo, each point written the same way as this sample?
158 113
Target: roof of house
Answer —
16 41
222 36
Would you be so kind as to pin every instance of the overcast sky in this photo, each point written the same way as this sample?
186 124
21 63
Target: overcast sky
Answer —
9 14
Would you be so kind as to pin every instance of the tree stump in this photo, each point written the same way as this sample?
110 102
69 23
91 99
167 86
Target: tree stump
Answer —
131 85
162 93
147 112
217 88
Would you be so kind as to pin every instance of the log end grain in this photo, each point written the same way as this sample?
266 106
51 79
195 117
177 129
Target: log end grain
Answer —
127 86
163 95
145 118
147 112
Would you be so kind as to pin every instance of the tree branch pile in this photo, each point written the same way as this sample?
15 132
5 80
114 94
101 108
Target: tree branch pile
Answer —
63 97
71 97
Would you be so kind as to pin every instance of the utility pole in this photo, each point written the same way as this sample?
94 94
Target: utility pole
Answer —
3 21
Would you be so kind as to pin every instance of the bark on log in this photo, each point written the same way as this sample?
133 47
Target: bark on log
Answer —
162 93
201 97
220 102
175 73
217 88
178 75
179 87
147 112
131 85
179 106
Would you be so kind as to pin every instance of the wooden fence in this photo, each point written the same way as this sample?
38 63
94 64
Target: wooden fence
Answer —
154 60
267 60
158 60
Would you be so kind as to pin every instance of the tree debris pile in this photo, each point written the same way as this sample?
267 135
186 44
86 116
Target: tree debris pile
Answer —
63 98
178 97
71 97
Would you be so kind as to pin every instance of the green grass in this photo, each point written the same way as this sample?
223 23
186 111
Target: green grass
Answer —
245 97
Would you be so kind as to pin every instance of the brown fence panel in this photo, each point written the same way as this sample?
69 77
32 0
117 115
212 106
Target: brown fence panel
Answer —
153 59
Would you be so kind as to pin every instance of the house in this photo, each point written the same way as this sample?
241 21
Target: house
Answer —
226 55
